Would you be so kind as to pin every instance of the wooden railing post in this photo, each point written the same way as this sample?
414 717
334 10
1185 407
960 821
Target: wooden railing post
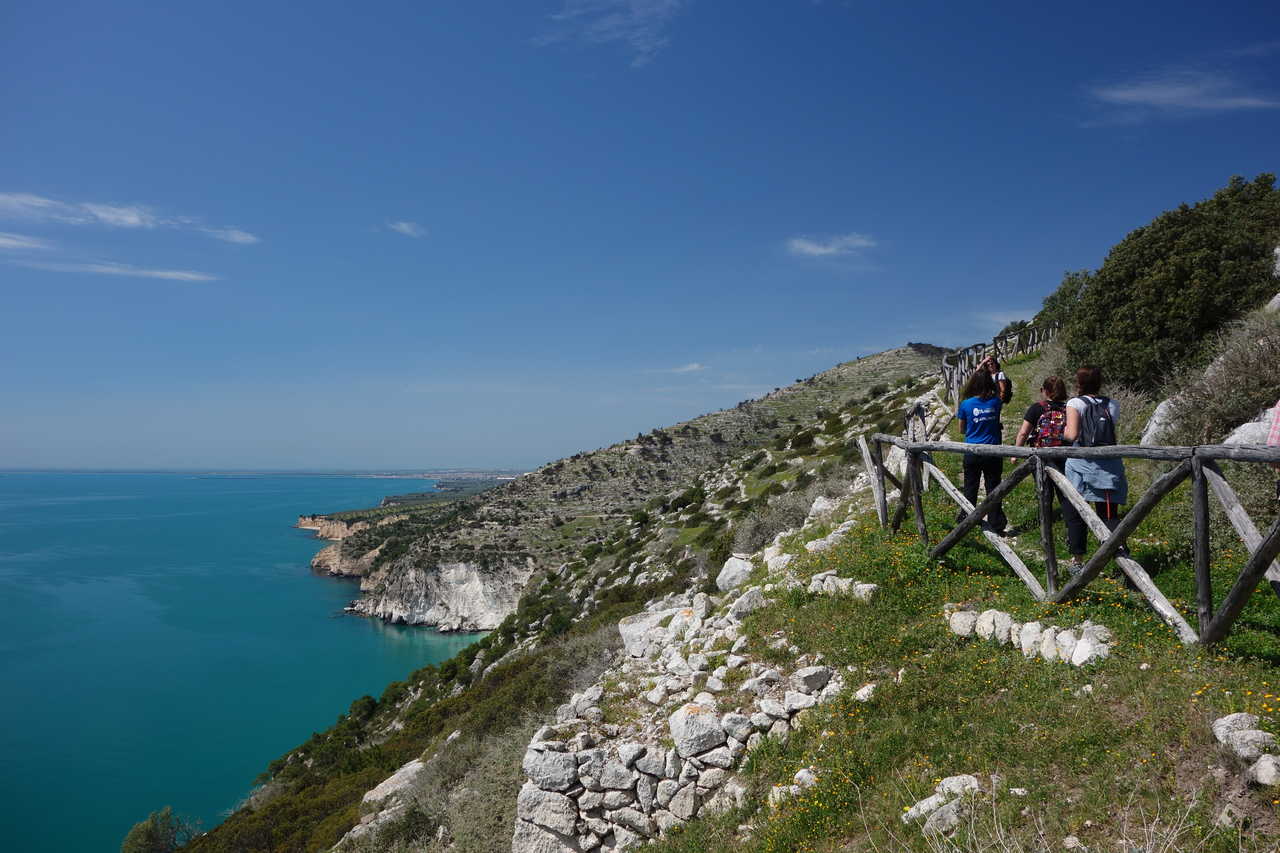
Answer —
1044 490
1200 530
876 478
1236 599
915 482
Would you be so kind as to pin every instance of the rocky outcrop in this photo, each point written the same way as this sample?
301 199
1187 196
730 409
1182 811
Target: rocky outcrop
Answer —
452 596
1085 644
332 528
332 561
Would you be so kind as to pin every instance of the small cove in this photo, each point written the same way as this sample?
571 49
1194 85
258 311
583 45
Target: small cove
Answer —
164 638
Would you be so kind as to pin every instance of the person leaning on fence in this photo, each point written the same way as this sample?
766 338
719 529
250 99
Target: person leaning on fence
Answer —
979 417
1091 422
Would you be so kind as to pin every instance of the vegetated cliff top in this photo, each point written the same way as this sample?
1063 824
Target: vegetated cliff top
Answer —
550 513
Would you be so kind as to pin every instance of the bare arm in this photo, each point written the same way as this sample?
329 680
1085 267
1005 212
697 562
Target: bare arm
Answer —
1072 430
1023 432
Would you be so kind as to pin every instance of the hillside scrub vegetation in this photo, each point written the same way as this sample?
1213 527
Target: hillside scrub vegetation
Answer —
1153 306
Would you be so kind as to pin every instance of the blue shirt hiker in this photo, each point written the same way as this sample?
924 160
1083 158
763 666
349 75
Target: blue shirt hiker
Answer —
981 419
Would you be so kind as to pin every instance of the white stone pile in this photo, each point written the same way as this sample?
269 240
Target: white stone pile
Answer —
826 583
1084 644
682 730
1240 734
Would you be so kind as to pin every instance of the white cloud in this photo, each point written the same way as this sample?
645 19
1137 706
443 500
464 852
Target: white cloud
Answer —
408 229
21 241
1181 91
641 25
232 235
691 367
121 217
110 268
841 244
34 208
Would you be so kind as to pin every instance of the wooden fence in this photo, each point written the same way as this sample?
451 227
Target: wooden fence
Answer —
1199 463
957 365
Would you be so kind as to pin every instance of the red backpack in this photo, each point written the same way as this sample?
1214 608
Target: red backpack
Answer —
1050 426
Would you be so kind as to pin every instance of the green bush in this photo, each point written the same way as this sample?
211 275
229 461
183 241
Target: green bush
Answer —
1154 304
161 832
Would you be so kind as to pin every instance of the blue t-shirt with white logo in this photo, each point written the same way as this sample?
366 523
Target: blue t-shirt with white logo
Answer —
981 420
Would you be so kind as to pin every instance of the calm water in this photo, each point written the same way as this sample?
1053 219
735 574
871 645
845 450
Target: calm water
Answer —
162 638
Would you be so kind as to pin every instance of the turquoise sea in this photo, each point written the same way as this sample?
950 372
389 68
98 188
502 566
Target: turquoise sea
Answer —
162 638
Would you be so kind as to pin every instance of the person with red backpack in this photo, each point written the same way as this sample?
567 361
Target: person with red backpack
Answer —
1045 423
1091 422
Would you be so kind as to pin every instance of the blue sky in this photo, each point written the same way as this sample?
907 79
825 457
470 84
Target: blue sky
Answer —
407 235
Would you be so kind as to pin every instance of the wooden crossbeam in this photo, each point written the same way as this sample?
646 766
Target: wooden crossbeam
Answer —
976 515
1010 556
877 484
1249 577
1238 517
1132 568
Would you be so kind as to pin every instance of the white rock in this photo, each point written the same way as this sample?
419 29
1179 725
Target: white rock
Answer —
1250 744
551 771
640 630
546 808
634 821
822 507
666 790
1049 644
985 627
685 802
1265 771
806 777
773 708
720 757
1029 639
924 808
531 838
865 692
629 751
736 725
733 574
944 820
1224 726
752 599
865 591
780 562
817 546
666 821
954 786
962 623
1066 645
396 783
796 701
695 728
811 679
1088 650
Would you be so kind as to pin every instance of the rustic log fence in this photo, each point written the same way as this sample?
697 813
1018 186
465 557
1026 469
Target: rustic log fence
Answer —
1199 464
958 364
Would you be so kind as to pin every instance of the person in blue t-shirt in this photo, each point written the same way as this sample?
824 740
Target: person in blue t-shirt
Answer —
979 417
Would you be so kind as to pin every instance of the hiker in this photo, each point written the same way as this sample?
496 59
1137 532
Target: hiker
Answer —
979 417
1091 422
1004 385
1045 422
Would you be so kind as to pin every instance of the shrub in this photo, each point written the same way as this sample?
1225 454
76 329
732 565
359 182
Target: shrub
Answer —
1152 307
161 832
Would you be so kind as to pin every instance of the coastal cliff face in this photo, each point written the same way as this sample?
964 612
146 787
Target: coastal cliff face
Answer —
332 528
452 596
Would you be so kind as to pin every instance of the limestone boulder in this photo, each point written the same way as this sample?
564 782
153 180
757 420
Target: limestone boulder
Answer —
696 728
733 574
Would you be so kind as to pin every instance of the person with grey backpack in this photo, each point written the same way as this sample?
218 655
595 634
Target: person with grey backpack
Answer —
1091 422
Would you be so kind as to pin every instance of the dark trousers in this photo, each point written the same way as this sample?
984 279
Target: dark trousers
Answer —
1077 532
986 468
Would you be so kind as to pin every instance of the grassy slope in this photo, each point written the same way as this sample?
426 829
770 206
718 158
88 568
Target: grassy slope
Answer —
1101 766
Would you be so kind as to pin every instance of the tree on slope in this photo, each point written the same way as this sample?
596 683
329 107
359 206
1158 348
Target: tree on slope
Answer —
161 832
1163 291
